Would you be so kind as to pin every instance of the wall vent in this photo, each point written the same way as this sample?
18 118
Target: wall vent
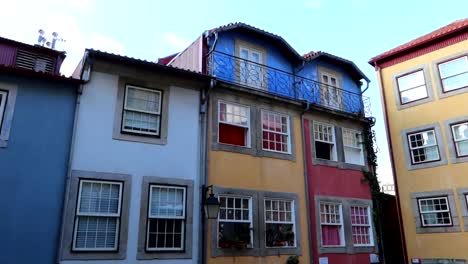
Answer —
33 61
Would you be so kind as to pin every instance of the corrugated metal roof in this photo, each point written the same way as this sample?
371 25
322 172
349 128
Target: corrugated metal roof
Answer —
126 59
11 69
435 35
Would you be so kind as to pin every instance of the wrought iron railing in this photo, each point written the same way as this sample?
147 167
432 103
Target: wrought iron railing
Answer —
261 77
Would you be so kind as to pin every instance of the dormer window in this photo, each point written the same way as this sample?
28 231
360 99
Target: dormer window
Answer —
33 61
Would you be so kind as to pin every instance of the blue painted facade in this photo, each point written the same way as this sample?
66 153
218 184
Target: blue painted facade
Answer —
286 74
33 169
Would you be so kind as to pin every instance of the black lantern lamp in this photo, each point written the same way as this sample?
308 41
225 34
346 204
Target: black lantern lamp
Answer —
211 204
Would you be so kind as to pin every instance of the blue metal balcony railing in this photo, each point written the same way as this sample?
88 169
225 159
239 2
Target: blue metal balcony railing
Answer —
261 77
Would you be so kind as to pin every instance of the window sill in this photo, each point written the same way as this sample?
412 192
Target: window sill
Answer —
438 229
117 135
338 164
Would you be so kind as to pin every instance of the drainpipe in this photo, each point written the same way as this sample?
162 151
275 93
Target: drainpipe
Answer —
204 125
70 155
306 181
378 69
367 87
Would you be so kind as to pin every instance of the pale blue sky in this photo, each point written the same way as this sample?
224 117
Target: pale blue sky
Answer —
352 29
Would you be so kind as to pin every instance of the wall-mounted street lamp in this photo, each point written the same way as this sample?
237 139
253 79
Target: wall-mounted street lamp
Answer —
211 203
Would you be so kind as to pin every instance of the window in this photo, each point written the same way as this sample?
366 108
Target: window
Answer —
3 99
423 147
460 137
252 71
434 211
331 224
361 226
324 136
275 132
235 227
234 124
166 218
330 92
142 111
279 223
412 87
97 219
454 74
353 147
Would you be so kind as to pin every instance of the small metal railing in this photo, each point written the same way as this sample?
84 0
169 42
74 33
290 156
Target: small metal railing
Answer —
275 81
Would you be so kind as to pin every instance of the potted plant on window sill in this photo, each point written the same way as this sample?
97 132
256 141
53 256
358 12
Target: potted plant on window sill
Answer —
294 259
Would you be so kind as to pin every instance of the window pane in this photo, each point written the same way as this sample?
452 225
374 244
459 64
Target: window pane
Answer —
435 211
96 232
453 67
413 94
455 82
233 114
275 134
141 122
331 235
460 131
167 202
411 80
143 100
462 148
165 233
232 135
99 198
280 235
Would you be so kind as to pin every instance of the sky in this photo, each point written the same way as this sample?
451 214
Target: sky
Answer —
353 29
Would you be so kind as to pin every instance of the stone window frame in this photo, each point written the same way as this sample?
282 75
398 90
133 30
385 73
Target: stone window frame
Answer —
429 89
440 145
340 162
346 204
442 261
117 132
142 253
258 215
451 141
256 108
7 121
455 227
438 81
462 198
66 239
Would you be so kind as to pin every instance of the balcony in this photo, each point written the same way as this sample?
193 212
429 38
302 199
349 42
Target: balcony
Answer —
274 81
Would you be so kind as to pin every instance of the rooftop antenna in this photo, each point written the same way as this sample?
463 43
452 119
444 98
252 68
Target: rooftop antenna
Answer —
41 39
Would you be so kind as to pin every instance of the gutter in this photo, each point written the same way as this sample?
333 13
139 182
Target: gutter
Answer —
204 126
70 155
378 69
306 183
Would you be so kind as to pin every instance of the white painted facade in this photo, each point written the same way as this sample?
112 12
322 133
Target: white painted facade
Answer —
96 150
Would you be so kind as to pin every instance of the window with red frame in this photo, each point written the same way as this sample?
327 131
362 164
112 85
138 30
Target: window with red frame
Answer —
275 132
361 226
234 124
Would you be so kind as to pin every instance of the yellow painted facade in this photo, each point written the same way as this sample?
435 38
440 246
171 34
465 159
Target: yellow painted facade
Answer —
244 171
447 177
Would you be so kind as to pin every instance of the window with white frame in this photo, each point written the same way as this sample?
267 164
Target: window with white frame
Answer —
166 218
142 111
434 211
331 224
423 147
454 74
97 219
361 226
279 223
412 87
234 124
235 225
3 99
460 137
353 147
275 132
324 137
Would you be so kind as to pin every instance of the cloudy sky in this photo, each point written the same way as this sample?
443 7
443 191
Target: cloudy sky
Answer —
353 29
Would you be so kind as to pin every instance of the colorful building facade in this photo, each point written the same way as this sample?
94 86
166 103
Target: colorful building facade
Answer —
261 150
37 108
424 85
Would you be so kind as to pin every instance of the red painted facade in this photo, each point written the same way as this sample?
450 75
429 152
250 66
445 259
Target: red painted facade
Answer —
332 181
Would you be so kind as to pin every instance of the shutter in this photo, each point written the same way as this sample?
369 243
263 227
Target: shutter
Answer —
33 61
